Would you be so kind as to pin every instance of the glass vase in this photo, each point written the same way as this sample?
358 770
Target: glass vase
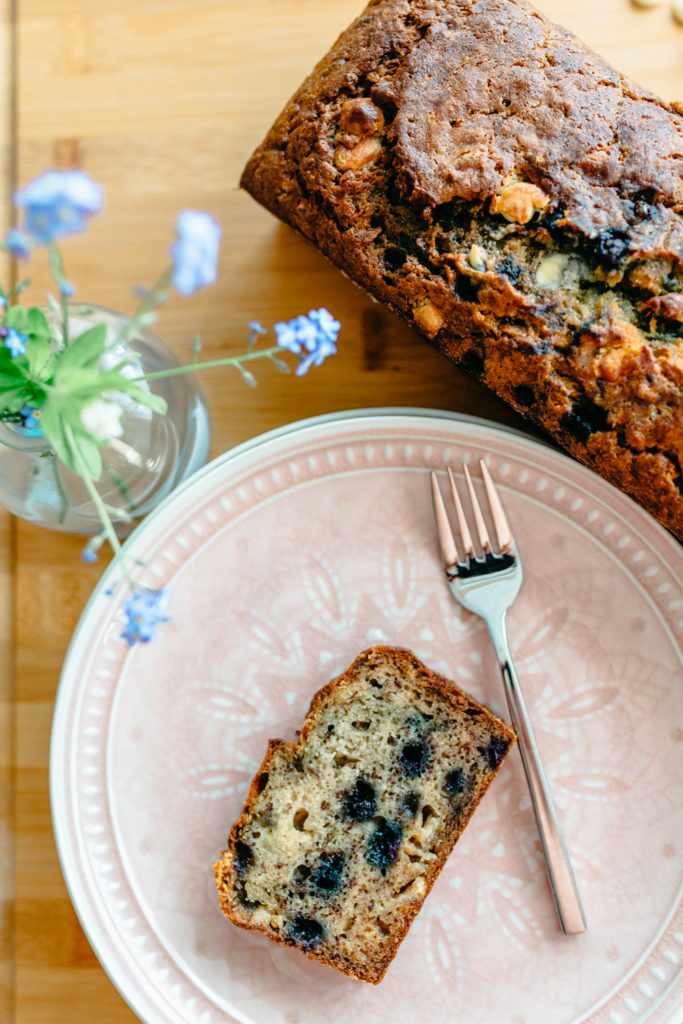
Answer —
141 467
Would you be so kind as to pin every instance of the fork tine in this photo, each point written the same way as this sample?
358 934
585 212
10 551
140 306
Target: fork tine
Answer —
449 550
500 521
465 534
482 532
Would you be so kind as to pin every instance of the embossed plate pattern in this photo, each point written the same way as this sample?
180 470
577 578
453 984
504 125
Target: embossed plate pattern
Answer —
287 557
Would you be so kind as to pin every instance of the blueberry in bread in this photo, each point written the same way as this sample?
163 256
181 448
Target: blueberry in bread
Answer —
344 832
498 185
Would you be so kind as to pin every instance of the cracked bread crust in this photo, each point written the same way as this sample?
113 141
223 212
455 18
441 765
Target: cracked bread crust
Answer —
344 832
490 179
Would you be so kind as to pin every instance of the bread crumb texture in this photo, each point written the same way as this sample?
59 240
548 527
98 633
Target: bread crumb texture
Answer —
345 831
498 185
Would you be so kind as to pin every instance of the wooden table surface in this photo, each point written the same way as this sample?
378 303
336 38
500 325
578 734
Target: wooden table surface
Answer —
162 101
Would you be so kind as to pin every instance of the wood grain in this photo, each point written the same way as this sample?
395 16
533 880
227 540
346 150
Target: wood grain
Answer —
163 101
7 723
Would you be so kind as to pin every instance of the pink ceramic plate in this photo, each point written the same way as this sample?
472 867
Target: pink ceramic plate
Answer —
287 557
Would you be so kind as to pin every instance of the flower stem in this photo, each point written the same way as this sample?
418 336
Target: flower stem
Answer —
99 504
60 491
155 297
57 268
228 361
121 487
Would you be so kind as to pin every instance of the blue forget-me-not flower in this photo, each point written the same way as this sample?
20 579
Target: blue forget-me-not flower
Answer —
313 338
195 253
30 417
18 244
145 610
14 340
57 204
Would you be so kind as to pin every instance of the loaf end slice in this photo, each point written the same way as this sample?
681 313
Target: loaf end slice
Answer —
345 831
491 180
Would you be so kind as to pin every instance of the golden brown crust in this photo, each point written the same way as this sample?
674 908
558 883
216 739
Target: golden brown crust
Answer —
515 199
406 666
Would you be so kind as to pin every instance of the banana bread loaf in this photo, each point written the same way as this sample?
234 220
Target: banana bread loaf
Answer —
486 176
344 832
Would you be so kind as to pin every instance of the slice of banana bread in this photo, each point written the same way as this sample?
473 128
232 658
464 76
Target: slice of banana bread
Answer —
344 832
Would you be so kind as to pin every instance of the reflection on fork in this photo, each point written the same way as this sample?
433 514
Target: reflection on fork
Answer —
485 579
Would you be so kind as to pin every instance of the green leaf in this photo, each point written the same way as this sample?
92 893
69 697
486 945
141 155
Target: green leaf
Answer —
61 422
112 380
12 370
53 427
154 402
39 345
8 363
37 323
12 399
89 453
70 444
38 352
84 351
34 394
76 381
16 317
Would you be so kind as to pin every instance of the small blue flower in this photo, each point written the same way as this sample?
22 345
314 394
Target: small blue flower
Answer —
56 204
316 358
30 417
15 342
90 551
195 253
316 334
307 332
256 328
145 610
299 333
326 325
287 336
18 244
67 289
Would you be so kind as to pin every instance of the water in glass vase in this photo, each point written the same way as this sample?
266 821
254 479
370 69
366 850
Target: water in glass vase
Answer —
141 467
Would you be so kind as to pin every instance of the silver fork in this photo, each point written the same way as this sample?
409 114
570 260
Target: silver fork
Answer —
486 582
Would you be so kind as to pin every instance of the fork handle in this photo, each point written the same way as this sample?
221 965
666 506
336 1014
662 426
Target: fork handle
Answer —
560 874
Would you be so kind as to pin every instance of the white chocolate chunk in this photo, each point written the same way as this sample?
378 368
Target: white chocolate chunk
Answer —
477 258
549 271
